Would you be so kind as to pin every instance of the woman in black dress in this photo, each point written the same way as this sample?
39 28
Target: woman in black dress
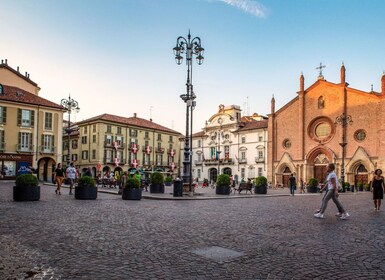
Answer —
377 186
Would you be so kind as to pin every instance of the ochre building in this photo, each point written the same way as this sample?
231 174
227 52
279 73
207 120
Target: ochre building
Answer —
328 123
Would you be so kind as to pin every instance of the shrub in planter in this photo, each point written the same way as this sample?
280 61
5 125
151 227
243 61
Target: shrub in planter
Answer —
346 186
260 185
223 184
157 185
86 188
168 181
26 188
313 185
367 187
132 190
360 186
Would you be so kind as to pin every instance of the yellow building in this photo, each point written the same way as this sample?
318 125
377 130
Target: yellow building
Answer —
112 143
30 127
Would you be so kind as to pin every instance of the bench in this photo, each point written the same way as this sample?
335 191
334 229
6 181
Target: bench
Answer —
248 187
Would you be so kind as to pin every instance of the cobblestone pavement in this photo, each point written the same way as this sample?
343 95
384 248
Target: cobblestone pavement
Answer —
60 237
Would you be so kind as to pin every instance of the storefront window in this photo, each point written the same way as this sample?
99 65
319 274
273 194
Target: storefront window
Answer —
9 168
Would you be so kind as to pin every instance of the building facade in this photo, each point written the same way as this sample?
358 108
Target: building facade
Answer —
328 123
230 144
30 127
112 143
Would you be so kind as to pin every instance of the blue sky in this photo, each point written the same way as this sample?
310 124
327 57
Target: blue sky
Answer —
115 56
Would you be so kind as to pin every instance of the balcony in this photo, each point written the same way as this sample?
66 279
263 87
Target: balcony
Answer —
108 144
24 148
242 160
47 150
221 161
159 150
198 162
259 159
111 160
134 148
148 162
171 152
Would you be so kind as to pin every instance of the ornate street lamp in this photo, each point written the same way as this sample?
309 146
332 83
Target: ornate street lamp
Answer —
343 120
189 48
70 105
219 132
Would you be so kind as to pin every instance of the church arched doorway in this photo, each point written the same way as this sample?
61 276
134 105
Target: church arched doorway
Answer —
320 166
361 175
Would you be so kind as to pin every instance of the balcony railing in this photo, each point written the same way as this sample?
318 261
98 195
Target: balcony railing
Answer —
198 162
159 150
242 160
47 150
259 159
24 148
221 161
148 162
147 149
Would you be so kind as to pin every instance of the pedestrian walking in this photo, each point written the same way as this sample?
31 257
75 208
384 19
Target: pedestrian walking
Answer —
332 193
377 187
59 176
292 184
302 185
88 172
71 176
123 181
324 188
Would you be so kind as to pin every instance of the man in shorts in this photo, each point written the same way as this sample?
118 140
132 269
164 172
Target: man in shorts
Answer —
71 176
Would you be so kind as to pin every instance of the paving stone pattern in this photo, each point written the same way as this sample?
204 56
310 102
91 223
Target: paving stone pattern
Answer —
60 237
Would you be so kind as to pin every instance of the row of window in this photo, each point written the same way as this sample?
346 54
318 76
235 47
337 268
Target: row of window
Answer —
25 140
243 139
26 118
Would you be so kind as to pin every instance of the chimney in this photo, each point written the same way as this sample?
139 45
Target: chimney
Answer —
342 74
383 83
150 119
26 74
134 115
273 105
2 61
6 61
17 68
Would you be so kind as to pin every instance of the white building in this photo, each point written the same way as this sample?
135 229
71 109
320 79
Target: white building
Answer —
232 144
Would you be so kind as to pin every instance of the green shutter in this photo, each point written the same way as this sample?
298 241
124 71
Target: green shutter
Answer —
4 121
32 118
19 141
42 142
19 117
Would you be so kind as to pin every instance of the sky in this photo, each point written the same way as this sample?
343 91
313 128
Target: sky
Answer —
116 57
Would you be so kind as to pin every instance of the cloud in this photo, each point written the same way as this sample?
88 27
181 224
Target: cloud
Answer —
248 6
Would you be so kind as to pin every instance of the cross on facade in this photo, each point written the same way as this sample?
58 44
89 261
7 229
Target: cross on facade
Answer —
320 69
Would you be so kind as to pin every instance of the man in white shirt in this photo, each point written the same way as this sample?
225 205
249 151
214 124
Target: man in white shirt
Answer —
71 176
331 185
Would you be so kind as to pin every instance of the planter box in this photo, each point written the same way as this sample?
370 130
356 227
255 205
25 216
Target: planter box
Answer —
87 192
222 189
156 188
260 189
312 189
132 194
26 193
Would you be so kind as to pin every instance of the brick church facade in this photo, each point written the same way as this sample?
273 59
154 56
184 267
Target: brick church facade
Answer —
328 123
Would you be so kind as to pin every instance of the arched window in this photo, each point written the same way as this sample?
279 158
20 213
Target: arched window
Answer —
361 169
321 102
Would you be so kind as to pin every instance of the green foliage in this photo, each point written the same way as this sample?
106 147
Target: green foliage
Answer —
313 182
157 178
168 179
367 187
132 183
260 181
26 180
223 180
346 185
86 181
205 180
360 184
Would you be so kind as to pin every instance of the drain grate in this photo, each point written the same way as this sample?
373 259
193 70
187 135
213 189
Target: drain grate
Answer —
218 254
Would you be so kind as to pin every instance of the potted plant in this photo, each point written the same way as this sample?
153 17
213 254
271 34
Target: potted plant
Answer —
367 187
132 190
168 181
346 186
223 184
260 185
157 185
312 186
26 188
360 186
86 188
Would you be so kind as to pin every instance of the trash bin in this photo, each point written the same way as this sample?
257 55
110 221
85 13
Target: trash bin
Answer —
178 188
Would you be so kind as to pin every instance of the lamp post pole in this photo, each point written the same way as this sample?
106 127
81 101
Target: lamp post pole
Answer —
343 120
70 105
189 47
219 145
